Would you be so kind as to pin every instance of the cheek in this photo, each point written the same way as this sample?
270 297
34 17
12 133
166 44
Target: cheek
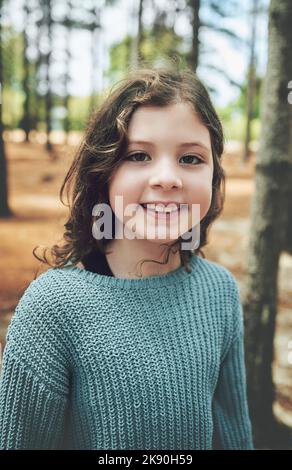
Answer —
128 189
205 205
202 194
115 188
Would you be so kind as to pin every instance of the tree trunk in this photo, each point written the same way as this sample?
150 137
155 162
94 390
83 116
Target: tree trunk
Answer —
136 53
48 98
251 83
193 58
268 228
67 71
26 121
38 100
95 32
4 207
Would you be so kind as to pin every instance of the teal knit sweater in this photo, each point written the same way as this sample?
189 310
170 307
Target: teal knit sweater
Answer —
99 362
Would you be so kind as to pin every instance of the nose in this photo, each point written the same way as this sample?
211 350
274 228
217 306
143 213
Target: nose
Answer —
165 176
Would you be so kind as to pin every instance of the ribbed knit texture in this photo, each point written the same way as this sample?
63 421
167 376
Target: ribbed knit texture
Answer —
99 362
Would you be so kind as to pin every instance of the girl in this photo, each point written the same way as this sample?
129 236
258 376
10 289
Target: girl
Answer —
101 354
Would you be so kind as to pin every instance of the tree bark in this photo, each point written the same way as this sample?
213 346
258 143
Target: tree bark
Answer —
26 120
67 70
269 224
95 32
193 58
48 97
4 207
251 83
136 54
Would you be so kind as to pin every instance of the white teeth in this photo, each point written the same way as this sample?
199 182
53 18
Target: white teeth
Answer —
161 208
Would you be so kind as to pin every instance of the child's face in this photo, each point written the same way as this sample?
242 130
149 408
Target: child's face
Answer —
164 170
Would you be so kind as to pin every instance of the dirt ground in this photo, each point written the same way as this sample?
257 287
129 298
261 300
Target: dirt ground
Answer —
39 217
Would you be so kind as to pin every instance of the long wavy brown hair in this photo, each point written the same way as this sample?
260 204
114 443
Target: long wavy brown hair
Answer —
103 148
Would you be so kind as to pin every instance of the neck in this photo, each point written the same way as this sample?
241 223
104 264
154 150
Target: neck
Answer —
125 256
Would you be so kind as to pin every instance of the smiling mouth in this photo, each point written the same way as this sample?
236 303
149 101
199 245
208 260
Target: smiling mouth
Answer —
163 214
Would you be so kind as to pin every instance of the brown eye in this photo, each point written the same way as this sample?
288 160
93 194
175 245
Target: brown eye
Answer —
137 155
190 157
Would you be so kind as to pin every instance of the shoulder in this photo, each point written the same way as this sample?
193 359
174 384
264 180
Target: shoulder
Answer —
41 299
221 290
39 303
48 292
218 277
46 305
48 298
36 336
39 315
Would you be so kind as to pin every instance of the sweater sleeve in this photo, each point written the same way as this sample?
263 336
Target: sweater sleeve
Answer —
232 425
34 380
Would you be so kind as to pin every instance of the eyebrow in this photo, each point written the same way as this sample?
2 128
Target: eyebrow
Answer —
184 144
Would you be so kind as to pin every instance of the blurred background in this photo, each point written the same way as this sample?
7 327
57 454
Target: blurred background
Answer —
59 59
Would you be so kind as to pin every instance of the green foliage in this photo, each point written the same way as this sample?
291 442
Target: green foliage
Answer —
240 103
13 98
13 110
234 114
156 49
12 107
12 47
159 45
78 112
234 123
119 60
